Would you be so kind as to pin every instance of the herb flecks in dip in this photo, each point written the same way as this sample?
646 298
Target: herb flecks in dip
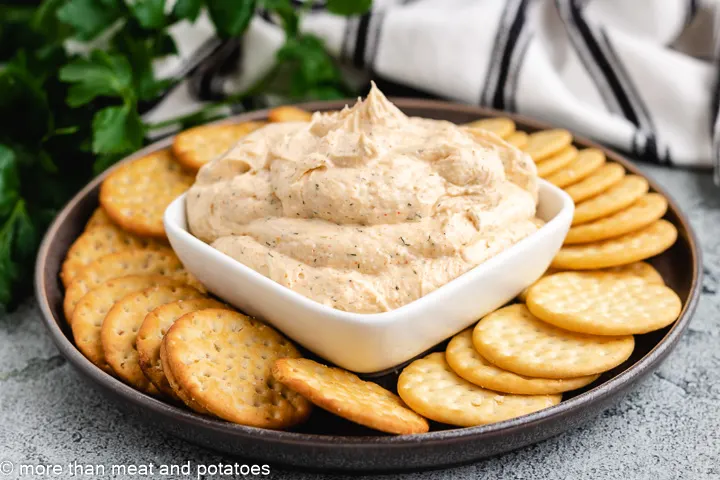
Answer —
365 210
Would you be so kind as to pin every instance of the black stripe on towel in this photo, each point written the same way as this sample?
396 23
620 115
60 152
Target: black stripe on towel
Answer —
617 66
691 8
361 40
495 96
490 85
350 22
592 70
513 35
511 85
602 63
652 150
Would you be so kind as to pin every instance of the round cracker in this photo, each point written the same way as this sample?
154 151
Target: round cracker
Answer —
98 219
127 262
178 391
430 387
136 194
588 161
503 127
152 331
119 330
631 247
223 360
637 269
344 394
649 208
620 196
288 113
99 241
470 365
602 303
518 139
599 181
514 339
92 308
557 162
546 143
197 146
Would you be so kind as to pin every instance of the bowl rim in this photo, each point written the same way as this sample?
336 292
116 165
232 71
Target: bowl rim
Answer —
376 319
595 395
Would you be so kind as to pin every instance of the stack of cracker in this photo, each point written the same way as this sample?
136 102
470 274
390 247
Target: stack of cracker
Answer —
124 289
579 318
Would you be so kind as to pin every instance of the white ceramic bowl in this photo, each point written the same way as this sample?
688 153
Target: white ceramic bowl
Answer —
369 343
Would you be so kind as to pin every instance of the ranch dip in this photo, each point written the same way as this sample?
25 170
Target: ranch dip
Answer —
366 209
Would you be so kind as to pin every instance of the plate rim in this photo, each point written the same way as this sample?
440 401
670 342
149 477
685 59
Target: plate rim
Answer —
597 394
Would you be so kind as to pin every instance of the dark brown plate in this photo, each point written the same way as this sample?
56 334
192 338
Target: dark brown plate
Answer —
329 443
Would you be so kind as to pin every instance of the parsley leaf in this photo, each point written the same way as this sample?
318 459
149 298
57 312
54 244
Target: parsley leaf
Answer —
312 69
285 10
45 20
24 113
140 53
230 17
149 13
90 18
9 181
187 9
117 130
348 7
100 75
18 242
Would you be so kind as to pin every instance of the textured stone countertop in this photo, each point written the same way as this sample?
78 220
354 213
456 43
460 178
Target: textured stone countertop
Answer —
668 427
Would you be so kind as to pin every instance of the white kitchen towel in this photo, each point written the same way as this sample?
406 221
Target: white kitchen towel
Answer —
638 75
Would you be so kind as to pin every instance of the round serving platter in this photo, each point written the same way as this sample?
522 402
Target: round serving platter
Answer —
327 442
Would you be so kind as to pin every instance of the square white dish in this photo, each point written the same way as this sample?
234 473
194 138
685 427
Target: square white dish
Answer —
369 343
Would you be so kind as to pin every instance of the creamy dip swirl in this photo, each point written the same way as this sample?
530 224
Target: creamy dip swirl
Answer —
366 209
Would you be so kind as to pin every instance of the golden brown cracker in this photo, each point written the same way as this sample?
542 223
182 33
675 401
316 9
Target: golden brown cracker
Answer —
638 269
599 181
178 391
153 329
99 241
545 143
646 210
626 192
500 126
197 146
344 394
515 340
631 247
223 360
92 308
120 264
136 194
518 139
121 325
465 360
98 219
588 161
602 303
558 161
431 388
289 113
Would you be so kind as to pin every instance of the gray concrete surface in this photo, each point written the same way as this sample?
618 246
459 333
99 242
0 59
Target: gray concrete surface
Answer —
669 427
